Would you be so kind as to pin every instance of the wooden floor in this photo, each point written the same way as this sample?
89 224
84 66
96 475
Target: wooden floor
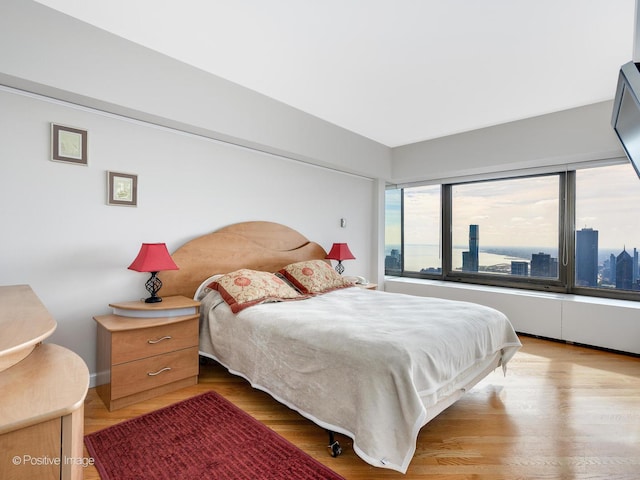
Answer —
561 412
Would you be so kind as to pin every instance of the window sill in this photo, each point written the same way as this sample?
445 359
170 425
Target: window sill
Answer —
393 280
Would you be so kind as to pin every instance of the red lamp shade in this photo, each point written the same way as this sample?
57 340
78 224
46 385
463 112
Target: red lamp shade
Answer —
340 251
153 257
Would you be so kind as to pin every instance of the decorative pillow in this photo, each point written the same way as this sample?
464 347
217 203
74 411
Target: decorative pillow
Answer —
244 288
314 276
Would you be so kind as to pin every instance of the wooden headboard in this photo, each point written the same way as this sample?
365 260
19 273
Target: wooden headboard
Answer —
262 246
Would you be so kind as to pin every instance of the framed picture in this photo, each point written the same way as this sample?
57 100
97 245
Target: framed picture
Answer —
68 144
122 189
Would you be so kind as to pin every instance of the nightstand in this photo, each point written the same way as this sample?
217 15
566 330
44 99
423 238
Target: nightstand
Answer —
147 349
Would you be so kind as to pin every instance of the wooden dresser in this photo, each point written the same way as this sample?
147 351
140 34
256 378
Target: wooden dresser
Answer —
43 387
146 350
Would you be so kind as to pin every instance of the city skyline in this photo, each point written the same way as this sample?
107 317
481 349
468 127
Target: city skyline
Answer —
541 264
621 271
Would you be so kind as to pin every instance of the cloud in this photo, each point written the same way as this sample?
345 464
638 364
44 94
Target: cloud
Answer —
525 211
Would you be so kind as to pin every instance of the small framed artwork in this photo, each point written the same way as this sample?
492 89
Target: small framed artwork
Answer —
68 144
122 189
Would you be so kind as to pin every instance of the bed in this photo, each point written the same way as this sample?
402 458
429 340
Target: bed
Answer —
373 365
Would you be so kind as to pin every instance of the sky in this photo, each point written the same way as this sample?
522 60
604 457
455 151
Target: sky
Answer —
610 203
607 199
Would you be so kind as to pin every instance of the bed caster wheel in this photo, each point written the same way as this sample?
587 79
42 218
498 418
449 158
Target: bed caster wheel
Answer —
334 449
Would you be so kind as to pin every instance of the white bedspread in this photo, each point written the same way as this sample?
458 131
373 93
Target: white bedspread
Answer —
365 363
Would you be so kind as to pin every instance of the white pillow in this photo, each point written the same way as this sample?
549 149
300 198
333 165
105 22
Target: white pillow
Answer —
204 288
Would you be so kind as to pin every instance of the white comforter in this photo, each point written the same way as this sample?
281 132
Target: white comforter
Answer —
365 363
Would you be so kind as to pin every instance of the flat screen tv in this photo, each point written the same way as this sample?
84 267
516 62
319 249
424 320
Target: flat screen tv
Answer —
626 112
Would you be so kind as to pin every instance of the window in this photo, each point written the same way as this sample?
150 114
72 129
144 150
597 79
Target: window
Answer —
571 231
506 227
607 228
393 231
422 230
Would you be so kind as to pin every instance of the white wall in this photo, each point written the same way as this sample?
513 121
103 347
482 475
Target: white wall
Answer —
45 51
59 236
577 135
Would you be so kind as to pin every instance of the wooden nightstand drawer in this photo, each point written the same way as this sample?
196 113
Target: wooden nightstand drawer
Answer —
146 342
133 377
151 352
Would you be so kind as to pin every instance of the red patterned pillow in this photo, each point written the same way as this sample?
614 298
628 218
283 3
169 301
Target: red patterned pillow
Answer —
244 288
314 276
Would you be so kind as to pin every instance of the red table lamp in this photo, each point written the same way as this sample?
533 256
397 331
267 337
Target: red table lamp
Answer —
153 258
339 252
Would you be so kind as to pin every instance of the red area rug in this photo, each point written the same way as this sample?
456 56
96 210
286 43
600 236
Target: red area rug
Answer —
204 437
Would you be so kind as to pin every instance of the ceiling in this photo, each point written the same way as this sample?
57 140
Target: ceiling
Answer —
395 71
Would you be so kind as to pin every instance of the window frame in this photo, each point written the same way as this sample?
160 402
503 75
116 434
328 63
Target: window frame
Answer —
565 282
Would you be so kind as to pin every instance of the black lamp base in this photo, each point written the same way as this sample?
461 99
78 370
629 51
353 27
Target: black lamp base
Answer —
340 267
153 286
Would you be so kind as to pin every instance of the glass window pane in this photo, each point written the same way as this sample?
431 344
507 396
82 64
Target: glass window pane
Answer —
422 229
607 227
507 227
393 231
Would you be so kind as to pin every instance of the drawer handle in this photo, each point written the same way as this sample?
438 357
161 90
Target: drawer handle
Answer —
153 374
153 342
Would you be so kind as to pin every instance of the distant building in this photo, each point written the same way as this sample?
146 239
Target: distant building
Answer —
542 265
470 258
520 268
624 271
587 257
393 261
431 270
612 269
